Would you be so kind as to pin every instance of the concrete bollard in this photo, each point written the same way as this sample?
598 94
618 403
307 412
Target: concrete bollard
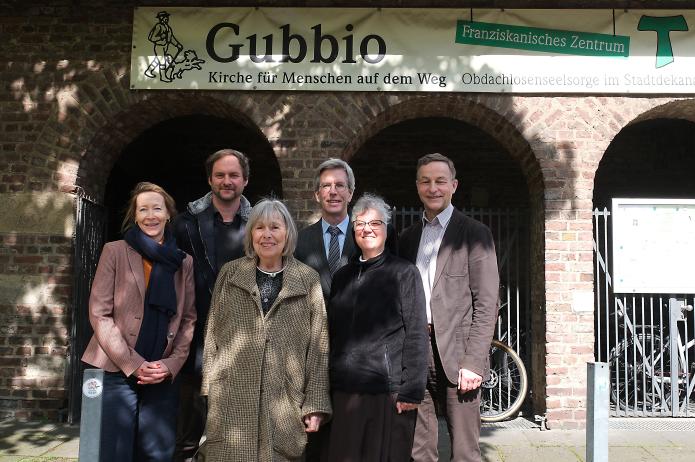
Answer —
90 423
598 404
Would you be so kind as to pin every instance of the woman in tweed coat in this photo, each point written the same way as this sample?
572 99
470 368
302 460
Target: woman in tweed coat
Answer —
265 360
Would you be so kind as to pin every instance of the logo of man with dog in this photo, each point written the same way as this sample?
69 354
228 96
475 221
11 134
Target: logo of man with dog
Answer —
164 64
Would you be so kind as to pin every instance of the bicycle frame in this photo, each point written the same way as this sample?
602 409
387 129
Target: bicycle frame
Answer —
643 368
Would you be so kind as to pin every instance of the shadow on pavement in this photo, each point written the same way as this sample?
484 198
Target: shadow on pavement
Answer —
33 438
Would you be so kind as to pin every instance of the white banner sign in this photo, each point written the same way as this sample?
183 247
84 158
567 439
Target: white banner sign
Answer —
355 49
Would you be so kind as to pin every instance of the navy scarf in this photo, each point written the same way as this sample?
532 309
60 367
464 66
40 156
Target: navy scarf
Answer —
160 297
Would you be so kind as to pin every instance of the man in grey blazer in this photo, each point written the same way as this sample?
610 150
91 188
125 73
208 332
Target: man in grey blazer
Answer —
456 258
334 184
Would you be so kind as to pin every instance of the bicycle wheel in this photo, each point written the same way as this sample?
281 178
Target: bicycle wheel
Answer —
504 392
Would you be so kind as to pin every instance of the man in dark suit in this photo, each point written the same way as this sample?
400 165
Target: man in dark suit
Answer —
328 244
456 258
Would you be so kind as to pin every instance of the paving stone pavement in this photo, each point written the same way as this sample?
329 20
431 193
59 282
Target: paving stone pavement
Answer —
661 440
502 445
38 442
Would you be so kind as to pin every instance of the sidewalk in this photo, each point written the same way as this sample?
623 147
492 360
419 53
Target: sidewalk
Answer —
671 440
533 445
38 441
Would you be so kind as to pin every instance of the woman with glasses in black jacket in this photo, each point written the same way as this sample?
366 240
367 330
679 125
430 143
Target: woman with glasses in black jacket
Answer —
378 344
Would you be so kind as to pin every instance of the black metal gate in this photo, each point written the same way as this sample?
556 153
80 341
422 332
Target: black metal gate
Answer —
90 233
511 233
637 335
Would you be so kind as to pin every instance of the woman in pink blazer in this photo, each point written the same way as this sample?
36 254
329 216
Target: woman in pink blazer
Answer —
142 311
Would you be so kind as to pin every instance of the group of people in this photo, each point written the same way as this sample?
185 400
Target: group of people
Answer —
339 342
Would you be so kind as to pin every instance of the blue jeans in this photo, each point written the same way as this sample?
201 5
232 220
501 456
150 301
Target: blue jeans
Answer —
138 421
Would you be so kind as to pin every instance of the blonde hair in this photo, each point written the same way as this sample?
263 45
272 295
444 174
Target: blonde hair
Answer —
143 187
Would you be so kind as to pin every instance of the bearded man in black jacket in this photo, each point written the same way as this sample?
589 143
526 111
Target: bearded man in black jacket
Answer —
211 230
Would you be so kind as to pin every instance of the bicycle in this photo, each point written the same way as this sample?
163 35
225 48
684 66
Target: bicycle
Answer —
640 369
504 392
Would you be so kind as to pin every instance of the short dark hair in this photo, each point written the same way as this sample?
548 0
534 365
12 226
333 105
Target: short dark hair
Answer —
241 157
436 157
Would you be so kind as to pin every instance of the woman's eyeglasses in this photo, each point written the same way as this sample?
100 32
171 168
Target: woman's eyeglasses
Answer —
373 224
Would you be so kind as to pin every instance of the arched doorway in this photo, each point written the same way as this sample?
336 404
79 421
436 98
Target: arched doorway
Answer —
653 158
488 176
172 154
492 188
648 159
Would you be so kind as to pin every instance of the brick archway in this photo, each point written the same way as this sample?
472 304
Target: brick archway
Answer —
107 145
618 123
649 157
464 109
93 122
667 109
93 133
612 115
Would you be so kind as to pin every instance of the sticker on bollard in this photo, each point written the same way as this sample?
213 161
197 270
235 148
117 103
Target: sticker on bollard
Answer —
92 388
90 422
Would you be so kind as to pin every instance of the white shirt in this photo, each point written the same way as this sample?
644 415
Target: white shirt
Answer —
428 249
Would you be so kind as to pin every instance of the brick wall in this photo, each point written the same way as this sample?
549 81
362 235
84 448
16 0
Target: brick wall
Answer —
34 338
67 116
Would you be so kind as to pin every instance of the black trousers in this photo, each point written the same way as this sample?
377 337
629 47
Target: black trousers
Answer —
138 421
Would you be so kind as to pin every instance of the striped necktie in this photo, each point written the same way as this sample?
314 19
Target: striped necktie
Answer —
334 249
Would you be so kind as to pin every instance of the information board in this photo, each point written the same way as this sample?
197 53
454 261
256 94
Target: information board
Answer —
654 246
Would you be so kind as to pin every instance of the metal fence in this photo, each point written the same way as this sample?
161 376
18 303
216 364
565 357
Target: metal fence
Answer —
511 234
647 340
90 233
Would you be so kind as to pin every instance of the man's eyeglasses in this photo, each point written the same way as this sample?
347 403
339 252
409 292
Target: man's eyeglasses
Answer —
374 224
339 187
